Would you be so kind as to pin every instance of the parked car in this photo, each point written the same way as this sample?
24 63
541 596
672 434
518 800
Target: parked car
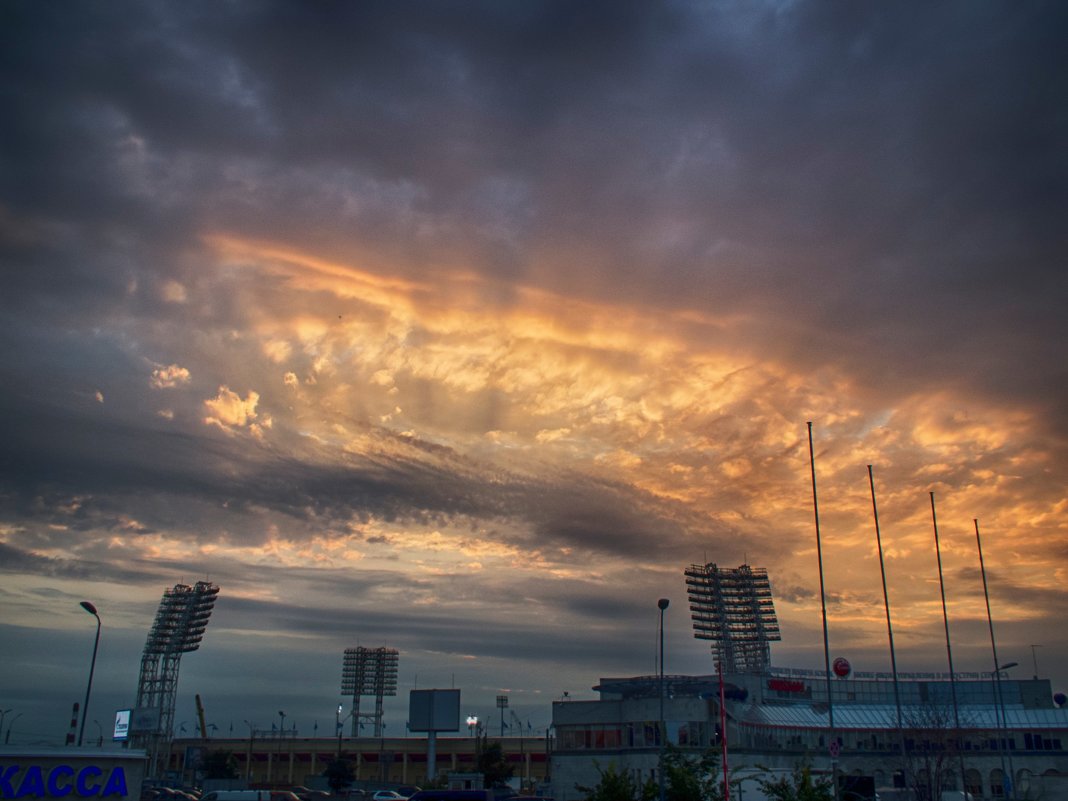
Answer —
453 795
388 795
236 795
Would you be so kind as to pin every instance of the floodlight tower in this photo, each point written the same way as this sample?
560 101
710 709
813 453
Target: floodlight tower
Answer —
369 671
733 607
179 627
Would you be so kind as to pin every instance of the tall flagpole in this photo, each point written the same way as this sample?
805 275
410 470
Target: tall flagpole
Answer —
949 648
999 701
823 608
889 626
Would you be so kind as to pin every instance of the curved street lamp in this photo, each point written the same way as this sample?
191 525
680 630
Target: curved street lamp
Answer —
88 607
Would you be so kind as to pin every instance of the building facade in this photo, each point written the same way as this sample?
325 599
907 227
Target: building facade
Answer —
281 762
782 718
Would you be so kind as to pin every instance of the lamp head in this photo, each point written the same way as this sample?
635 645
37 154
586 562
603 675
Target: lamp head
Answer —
663 604
1008 665
88 607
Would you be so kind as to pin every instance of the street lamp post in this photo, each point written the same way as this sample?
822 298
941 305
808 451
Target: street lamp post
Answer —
337 728
248 760
502 704
281 736
88 607
662 604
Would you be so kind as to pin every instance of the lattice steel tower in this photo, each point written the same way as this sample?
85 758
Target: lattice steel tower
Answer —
180 623
734 609
369 671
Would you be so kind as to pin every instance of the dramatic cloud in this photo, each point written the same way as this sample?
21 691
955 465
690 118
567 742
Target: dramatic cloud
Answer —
467 329
169 377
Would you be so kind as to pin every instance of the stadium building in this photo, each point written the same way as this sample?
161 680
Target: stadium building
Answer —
994 736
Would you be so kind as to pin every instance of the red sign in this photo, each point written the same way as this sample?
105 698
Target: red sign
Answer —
841 667
786 685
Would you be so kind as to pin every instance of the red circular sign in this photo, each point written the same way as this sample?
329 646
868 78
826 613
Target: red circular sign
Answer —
841 667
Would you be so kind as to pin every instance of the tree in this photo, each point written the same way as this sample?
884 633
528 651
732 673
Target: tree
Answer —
693 778
339 774
683 777
618 786
932 748
798 786
220 765
493 766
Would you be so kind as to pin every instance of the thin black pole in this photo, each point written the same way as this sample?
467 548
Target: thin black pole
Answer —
662 604
999 701
949 648
889 626
823 609
88 607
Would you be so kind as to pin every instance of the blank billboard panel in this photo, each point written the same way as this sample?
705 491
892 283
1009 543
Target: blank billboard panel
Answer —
434 710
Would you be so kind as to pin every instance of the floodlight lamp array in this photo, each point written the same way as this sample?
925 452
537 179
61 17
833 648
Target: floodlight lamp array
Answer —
182 618
369 671
734 608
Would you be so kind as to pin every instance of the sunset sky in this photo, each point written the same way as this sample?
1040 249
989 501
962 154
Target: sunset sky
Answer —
464 328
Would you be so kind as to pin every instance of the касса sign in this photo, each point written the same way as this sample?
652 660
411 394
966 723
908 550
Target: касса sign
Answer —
71 774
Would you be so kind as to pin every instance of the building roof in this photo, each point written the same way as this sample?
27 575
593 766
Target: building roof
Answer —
878 716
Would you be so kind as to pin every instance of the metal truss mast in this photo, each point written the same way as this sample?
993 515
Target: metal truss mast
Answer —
369 671
179 627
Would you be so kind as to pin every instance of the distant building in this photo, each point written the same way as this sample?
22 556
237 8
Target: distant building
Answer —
280 760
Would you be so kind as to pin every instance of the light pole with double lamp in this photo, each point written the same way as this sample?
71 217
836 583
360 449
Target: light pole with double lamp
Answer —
88 607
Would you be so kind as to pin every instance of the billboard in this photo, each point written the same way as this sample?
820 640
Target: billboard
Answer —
434 710
122 725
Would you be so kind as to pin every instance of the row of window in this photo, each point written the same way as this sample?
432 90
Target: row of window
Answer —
646 734
639 734
981 693
1039 742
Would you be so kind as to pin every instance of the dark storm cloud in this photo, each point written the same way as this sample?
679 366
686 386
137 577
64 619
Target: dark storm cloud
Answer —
858 169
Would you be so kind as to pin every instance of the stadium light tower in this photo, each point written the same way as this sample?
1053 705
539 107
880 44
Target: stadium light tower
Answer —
181 620
369 671
733 607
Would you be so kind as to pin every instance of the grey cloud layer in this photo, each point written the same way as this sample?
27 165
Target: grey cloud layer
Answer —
859 170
